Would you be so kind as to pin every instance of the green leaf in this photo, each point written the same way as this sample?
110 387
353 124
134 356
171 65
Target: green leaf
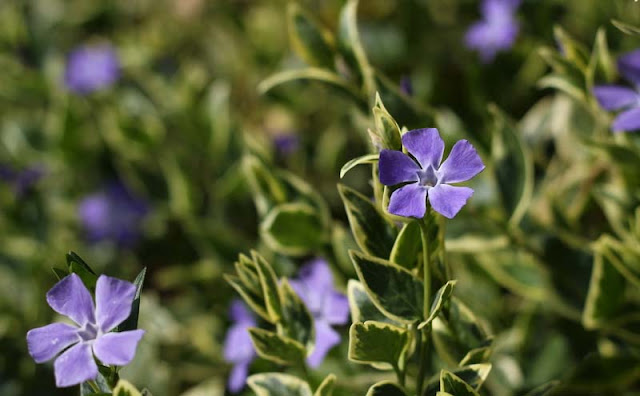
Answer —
323 76
270 289
476 355
599 375
385 388
365 159
277 348
474 375
564 84
254 301
309 40
131 323
512 165
78 266
453 384
266 188
544 389
59 273
442 296
350 46
293 229
361 307
377 342
407 246
248 274
407 111
326 387
626 28
573 50
276 384
125 388
394 290
373 234
386 127
601 59
298 322
606 291
460 332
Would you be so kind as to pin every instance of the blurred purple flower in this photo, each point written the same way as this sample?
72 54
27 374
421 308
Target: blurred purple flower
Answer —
286 144
497 31
238 348
619 97
406 86
426 177
113 214
328 306
21 180
91 337
91 68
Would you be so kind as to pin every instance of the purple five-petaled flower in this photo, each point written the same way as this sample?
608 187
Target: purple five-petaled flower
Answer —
91 337
238 348
618 97
91 68
329 307
21 181
497 31
426 177
114 214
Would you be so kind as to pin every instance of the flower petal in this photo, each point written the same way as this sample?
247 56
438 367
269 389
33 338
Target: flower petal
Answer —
614 97
335 308
627 120
75 366
395 167
71 298
409 201
326 338
44 343
238 347
238 377
313 283
425 145
239 313
448 200
629 66
462 164
117 349
113 301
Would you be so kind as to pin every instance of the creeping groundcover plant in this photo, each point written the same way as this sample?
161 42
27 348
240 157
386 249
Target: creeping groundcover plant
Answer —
423 241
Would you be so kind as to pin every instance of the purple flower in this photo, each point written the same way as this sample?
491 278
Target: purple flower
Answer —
113 214
618 97
406 85
497 31
21 180
238 348
91 337
91 68
426 177
286 144
328 306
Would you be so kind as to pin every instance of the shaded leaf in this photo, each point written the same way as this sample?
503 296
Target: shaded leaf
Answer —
270 289
442 296
361 307
453 384
326 387
131 323
276 384
385 388
293 229
298 322
309 40
407 246
377 342
277 348
365 159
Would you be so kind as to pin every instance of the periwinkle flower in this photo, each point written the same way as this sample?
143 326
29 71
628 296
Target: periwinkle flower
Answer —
114 214
497 31
238 348
329 307
426 177
286 144
92 336
406 85
91 68
21 181
619 97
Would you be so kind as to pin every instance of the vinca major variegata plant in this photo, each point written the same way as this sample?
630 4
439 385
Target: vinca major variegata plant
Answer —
430 198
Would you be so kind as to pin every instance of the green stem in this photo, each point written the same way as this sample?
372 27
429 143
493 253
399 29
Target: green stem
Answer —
399 375
443 251
426 262
94 386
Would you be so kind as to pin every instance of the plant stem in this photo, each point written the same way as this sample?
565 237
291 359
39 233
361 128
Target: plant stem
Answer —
422 336
94 386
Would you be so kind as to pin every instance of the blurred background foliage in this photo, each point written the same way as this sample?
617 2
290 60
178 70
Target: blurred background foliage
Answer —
177 126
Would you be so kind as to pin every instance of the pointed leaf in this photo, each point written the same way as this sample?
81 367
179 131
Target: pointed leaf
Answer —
442 296
372 232
293 229
309 40
474 375
407 246
361 307
125 388
544 389
326 387
131 323
365 159
277 348
453 384
276 384
254 301
270 290
377 342
297 321
394 290
386 388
